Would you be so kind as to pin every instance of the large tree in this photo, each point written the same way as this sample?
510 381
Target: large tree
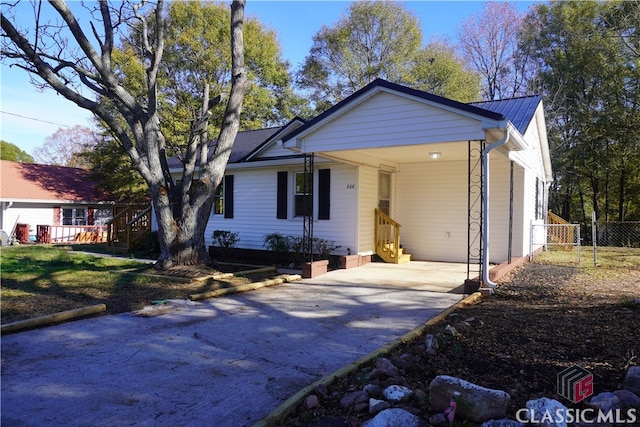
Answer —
198 31
75 58
587 58
375 39
489 42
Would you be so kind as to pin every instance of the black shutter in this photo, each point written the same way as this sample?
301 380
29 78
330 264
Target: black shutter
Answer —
228 196
282 195
324 193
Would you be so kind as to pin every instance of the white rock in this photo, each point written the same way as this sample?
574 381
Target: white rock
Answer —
547 412
397 393
394 417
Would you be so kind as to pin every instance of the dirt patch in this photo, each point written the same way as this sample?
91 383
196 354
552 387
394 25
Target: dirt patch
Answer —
542 319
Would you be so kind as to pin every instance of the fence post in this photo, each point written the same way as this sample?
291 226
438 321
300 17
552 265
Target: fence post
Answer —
594 236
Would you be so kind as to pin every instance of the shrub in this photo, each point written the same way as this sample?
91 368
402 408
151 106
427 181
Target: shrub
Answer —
225 239
278 244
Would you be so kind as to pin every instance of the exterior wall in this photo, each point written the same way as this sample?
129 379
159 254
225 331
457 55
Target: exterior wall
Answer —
432 209
255 192
367 125
499 195
431 206
367 202
33 214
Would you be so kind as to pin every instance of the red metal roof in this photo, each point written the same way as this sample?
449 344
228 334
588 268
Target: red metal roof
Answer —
33 182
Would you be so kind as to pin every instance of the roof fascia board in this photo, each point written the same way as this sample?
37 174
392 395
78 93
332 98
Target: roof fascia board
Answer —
544 142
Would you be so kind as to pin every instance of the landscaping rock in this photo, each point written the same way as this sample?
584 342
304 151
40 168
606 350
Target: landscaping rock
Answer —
376 405
605 401
386 367
397 393
483 403
394 417
627 399
432 344
632 380
349 400
542 412
311 402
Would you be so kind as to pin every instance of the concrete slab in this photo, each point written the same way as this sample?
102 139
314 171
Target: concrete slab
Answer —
222 362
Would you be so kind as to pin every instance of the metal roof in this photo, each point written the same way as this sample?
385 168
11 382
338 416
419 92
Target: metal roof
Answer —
518 111
31 181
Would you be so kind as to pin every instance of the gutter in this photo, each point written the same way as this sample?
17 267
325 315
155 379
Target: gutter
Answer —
485 208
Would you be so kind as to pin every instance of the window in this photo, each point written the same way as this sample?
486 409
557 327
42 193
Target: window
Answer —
302 202
539 199
218 200
301 198
74 216
223 198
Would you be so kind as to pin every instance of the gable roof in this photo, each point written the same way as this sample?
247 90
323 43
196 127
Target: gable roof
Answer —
384 84
34 182
246 143
519 111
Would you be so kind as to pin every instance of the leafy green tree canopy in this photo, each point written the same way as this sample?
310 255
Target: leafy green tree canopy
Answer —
12 152
437 69
196 53
375 39
587 56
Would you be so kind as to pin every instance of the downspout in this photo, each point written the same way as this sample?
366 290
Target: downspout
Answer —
485 209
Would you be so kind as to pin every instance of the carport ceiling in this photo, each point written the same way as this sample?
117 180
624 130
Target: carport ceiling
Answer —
451 151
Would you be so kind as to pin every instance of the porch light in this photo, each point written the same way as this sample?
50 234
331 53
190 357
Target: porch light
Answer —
434 155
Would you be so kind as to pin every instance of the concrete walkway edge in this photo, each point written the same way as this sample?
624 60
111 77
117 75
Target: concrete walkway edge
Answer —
278 414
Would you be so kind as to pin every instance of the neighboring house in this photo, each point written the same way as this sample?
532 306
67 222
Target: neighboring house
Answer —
392 150
35 195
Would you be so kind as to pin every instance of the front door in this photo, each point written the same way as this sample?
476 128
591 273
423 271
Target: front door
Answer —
384 192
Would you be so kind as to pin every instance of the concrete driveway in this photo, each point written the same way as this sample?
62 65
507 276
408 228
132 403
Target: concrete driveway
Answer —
222 362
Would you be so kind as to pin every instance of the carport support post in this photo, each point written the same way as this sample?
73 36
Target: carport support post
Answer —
485 211
307 223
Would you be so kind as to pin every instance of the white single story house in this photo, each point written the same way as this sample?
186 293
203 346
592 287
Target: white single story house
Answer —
461 182
33 195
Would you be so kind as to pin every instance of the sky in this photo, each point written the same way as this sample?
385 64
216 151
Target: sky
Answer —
29 116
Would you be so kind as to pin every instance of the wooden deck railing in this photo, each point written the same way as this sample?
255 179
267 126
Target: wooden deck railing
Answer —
557 233
387 235
71 234
128 225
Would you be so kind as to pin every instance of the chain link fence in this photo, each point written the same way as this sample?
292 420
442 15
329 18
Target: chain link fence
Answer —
622 234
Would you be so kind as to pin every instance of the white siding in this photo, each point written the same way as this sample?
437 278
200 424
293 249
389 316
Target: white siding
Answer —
389 120
499 195
33 214
432 209
367 202
255 192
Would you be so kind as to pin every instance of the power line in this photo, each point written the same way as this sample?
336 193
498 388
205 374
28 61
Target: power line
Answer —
34 119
